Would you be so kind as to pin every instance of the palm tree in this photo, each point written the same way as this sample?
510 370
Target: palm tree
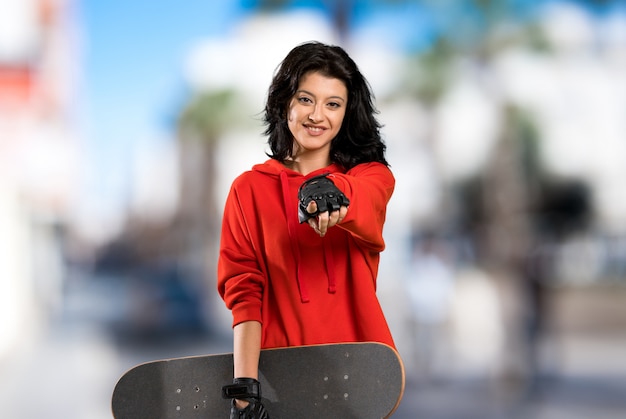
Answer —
202 121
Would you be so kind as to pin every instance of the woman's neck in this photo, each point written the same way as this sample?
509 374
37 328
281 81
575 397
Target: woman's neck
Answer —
306 166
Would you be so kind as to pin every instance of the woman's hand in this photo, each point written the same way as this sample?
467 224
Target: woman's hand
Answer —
325 220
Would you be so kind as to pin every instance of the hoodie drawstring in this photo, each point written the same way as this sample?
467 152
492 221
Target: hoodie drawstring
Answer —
330 267
292 228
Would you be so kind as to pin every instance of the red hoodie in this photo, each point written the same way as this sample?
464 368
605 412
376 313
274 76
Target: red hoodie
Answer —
303 288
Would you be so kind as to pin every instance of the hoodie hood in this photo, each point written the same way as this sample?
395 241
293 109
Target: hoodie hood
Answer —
290 181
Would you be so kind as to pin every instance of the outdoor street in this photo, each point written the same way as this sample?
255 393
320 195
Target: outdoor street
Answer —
68 371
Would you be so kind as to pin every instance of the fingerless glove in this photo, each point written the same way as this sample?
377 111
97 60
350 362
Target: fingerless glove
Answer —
247 389
325 194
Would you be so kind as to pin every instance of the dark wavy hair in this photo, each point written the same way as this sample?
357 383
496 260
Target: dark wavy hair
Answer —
358 140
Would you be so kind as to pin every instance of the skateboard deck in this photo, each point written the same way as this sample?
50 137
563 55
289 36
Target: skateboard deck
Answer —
346 380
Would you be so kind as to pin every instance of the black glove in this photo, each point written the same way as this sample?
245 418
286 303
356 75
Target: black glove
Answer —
325 194
247 389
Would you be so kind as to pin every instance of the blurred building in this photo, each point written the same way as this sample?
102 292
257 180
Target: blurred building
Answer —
39 149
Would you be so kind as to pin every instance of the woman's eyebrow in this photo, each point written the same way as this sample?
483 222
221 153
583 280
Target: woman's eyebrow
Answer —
311 94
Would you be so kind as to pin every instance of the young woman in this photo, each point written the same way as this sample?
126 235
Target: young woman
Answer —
302 232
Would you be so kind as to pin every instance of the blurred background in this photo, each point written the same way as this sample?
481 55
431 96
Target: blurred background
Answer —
123 123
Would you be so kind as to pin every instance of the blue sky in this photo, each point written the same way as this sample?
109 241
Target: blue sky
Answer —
132 62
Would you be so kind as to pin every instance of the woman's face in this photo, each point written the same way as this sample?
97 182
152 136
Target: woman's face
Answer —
316 113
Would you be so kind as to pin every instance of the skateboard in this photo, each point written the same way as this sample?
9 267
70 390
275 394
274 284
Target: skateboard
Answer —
346 380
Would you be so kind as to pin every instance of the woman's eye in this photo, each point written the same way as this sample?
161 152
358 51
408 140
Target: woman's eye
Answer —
334 105
303 99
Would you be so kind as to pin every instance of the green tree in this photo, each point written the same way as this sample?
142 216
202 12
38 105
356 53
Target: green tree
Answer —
201 123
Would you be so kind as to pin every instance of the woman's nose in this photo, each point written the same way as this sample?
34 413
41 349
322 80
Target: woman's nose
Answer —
315 115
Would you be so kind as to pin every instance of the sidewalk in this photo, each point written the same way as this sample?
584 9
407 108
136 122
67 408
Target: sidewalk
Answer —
561 398
70 373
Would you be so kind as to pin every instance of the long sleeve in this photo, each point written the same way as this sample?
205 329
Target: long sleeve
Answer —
369 187
240 280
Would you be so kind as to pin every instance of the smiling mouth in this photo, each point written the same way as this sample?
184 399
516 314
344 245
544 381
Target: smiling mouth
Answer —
314 128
